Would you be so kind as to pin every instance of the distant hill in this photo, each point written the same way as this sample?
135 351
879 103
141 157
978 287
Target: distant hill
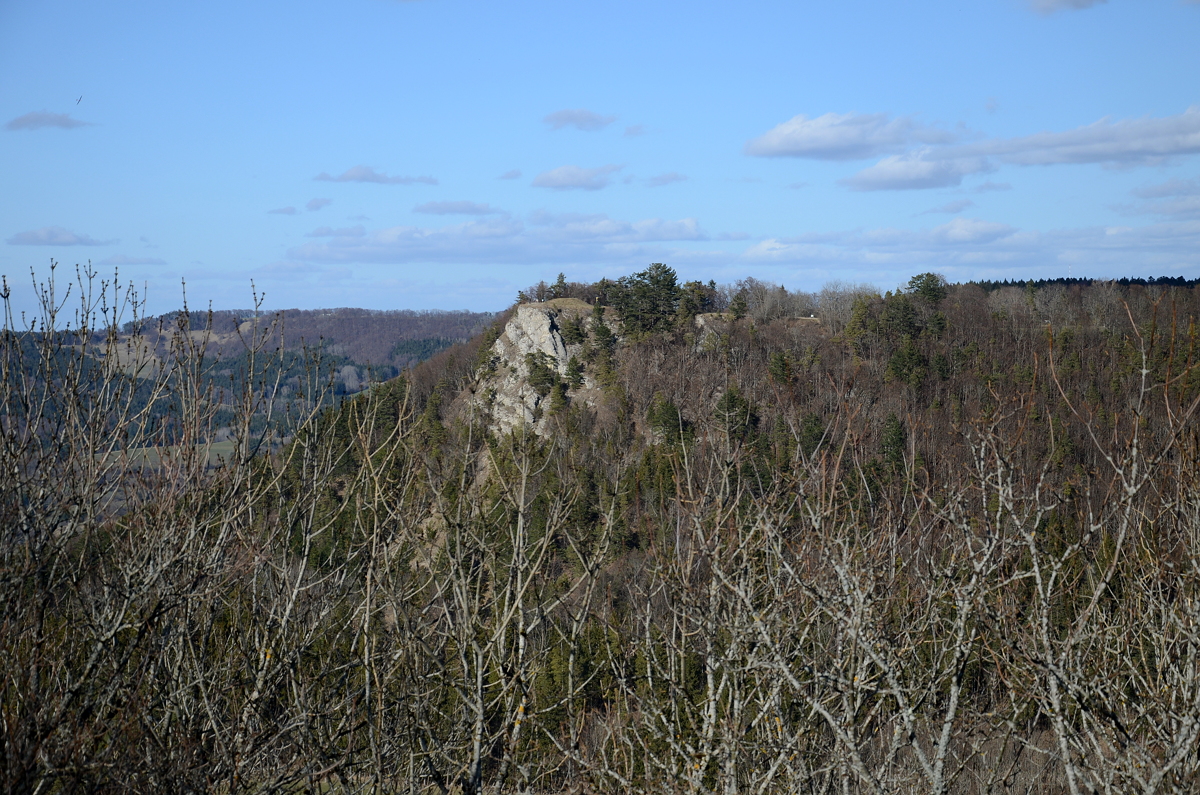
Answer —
384 341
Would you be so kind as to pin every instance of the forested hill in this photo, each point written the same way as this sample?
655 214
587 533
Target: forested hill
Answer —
386 340
727 538
929 354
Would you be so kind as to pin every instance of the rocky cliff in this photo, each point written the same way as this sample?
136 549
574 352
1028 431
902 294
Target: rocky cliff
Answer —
528 361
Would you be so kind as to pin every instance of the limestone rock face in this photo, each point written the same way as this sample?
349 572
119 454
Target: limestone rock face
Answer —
534 329
709 328
505 388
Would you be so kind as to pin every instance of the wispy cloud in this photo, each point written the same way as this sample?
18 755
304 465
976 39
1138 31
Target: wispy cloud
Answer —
963 248
844 136
973 248
1175 198
579 118
55 236
635 130
282 211
970 230
41 119
328 231
547 238
915 171
951 207
575 178
514 174
369 174
1124 143
574 227
121 259
666 179
316 204
990 187
1172 187
1050 6
280 272
456 208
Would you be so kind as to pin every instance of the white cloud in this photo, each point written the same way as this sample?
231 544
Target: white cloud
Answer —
121 259
316 204
548 238
926 158
658 229
1172 187
369 174
575 227
55 236
1126 142
635 130
514 174
665 179
970 230
951 207
989 187
1180 207
973 249
289 273
575 178
456 208
41 119
282 211
1175 198
579 118
844 136
915 171
1050 6
328 231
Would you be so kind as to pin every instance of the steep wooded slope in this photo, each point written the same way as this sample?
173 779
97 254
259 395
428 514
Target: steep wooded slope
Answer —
943 540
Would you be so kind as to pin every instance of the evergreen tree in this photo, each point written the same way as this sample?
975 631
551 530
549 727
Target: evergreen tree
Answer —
930 286
647 301
738 307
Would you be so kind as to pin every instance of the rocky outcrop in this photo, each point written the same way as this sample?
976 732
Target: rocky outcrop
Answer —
509 389
710 327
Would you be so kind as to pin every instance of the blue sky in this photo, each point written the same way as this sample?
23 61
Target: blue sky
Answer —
445 153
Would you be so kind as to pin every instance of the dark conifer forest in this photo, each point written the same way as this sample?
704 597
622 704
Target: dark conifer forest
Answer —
940 539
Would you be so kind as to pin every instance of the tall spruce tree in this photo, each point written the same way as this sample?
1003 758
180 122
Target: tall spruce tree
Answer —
647 301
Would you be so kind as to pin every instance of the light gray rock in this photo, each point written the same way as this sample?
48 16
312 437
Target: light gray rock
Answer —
505 390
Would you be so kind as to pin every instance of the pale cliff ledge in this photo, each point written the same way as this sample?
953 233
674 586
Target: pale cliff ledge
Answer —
506 390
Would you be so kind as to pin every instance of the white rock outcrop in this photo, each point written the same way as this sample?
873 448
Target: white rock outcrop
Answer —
534 329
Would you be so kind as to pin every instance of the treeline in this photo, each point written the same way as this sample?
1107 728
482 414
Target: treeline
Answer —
947 545
1064 281
653 300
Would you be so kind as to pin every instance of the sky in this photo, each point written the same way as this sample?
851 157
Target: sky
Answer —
447 153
